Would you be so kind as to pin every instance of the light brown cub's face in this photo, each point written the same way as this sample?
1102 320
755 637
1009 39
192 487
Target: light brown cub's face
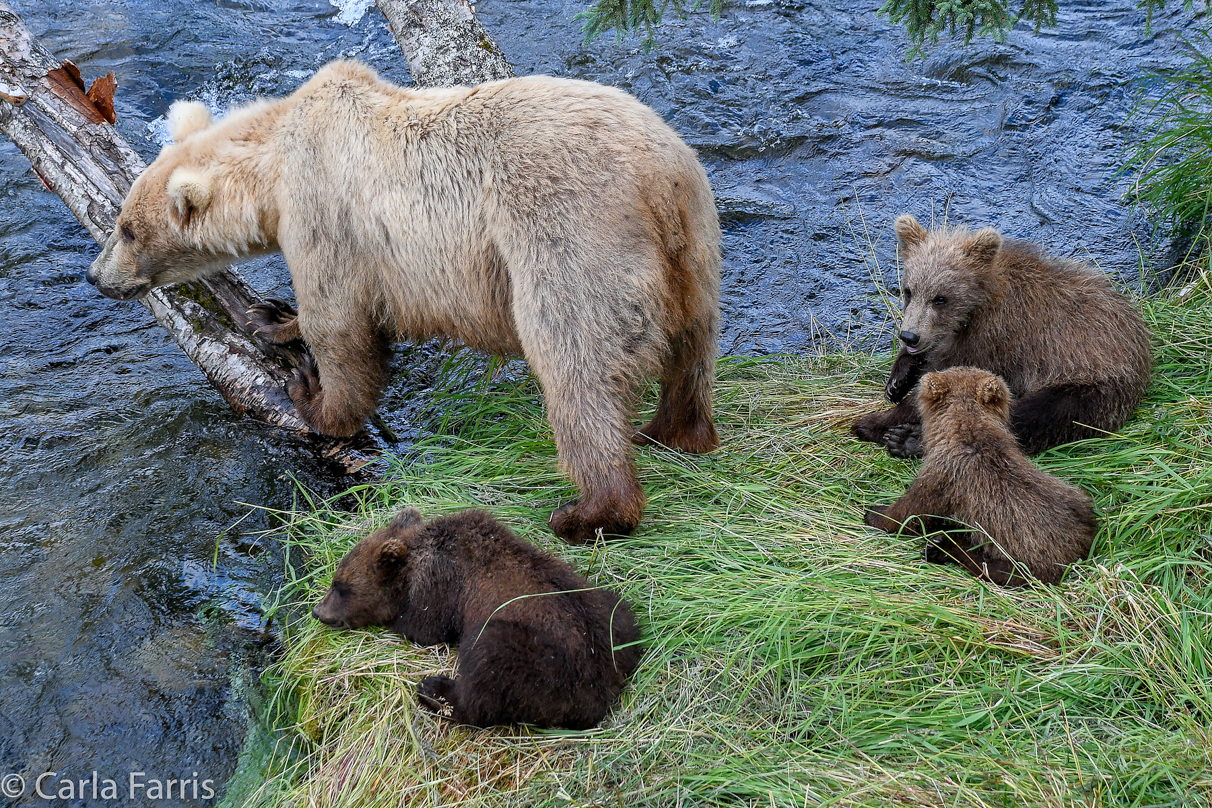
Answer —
964 390
941 281
364 587
152 244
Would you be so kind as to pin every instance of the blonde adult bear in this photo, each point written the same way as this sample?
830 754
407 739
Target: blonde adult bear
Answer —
560 220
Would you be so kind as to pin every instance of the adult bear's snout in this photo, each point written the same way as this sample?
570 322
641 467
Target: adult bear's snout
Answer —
911 339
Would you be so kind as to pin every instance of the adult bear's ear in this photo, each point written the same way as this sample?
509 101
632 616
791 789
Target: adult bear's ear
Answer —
185 118
909 232
933 389
993 392
189 194
983 246
405 519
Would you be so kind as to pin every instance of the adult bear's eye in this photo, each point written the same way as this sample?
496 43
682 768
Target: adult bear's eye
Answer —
941 300
127 233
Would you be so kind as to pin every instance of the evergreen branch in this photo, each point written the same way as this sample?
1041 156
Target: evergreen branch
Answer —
629 16
926 19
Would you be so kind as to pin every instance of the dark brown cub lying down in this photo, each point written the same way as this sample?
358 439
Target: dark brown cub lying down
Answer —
538 644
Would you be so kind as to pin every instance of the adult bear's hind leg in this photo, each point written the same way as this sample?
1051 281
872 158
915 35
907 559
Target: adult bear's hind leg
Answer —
683 417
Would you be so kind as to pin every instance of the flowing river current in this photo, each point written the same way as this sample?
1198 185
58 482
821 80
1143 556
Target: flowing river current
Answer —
131 632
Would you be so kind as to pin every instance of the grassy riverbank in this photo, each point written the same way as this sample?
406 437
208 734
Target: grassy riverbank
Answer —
796 657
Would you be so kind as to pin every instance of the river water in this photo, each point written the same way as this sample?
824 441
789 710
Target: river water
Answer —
131 637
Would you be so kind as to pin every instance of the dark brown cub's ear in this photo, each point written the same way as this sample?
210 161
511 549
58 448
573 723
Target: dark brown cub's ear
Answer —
984 245
993 392
933 388
908 232
405 518
392 554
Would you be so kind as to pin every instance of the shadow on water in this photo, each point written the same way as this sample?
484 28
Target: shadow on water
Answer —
130 628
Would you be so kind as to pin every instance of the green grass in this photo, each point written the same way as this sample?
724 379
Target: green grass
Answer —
1172 167
796 657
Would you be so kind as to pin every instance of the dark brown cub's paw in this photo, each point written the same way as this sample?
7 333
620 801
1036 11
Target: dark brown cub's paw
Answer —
869 428
436 693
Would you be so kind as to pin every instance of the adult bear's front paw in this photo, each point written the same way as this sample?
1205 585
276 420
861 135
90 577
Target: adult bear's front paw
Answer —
578 523
303 387
275 320
904 440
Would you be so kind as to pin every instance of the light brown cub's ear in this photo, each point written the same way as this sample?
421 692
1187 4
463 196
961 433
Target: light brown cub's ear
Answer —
908 232
405 518
983 245
185 118
993 392
933 389
392 554
189 193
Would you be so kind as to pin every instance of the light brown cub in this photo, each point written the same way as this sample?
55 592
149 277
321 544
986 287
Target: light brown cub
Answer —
997 514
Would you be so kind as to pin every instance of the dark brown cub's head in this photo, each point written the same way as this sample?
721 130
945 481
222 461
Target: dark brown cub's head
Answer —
946 275
368 588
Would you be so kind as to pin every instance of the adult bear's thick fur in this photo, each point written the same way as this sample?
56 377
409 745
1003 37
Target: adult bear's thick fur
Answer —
1075 354
1000 517
538 644
560 220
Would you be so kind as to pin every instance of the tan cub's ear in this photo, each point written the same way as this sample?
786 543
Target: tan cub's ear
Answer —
189 193
984 245
405 518
908 231
993 392
185 118
933 388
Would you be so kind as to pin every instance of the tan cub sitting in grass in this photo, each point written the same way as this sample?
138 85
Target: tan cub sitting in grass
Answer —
538 644
1073 351
554 219
1023 521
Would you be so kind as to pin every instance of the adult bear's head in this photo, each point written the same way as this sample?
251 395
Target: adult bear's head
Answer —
945 280
184 216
